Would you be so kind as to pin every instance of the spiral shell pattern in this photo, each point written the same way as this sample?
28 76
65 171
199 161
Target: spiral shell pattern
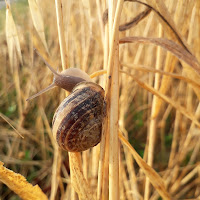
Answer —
77 122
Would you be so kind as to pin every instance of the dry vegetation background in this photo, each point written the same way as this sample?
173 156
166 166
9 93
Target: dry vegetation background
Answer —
159 110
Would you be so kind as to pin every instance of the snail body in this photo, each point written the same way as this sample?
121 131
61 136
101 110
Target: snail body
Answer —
77 122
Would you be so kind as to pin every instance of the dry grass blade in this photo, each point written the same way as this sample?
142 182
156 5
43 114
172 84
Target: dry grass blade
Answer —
61 33
173 75
165 19
131 23
169 45
14 50
192 74
37 44
160 6
5 119
153 121
98 73
135 20
12 37
165 98
38 21
19 185
154 178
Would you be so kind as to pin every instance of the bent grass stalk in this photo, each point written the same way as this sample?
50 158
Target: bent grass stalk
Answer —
20 185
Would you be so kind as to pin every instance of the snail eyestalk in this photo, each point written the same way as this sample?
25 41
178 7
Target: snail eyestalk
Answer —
42 91
47 64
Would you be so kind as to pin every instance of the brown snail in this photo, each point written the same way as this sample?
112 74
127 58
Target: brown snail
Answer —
77 122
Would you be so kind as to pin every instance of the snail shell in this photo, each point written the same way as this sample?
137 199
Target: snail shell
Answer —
77 122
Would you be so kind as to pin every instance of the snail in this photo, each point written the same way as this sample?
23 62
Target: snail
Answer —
77 122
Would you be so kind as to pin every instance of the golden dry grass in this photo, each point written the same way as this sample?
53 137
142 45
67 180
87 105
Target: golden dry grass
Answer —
146 55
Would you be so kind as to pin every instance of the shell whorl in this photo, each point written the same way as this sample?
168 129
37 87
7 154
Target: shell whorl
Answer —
77 122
